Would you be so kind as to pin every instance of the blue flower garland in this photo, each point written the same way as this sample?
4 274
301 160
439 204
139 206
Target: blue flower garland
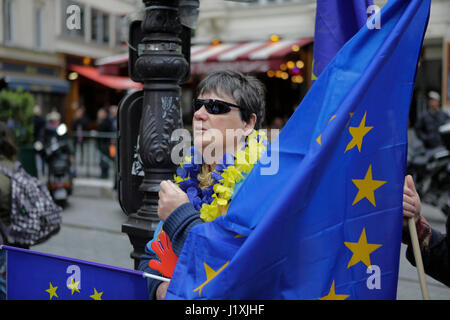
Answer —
213 200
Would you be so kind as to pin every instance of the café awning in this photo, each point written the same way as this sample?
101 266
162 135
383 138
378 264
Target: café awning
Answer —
253 56
114 82
244 56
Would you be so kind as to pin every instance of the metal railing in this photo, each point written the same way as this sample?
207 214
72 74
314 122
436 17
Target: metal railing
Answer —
91 151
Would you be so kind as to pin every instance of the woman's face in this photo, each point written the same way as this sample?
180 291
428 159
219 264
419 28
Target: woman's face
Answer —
216 134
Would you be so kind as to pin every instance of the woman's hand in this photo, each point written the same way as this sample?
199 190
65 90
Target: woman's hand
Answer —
170 198
411 202
162 290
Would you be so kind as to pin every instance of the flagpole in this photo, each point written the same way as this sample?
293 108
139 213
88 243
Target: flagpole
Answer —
149 275
418 258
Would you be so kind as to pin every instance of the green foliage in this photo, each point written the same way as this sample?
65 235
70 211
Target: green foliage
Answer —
16 110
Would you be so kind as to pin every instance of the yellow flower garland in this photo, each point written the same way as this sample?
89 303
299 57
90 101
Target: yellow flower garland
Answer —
233 174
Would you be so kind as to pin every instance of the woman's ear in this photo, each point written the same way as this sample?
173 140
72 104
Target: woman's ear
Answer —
250 124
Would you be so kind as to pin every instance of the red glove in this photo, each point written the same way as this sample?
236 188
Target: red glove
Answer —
168 259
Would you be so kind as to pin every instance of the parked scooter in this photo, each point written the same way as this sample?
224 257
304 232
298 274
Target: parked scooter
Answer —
56 153
444 200
430 169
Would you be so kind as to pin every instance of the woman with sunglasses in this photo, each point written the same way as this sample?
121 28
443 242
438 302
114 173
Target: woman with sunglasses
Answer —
229 107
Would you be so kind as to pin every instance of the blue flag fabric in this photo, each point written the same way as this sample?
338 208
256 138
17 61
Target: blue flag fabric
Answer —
34 275
328 224
337 22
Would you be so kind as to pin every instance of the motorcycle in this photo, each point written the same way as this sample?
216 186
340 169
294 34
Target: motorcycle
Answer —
56 153
444 200
430 169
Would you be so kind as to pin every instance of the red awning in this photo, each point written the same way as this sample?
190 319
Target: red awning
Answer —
254 56
251 56
115 82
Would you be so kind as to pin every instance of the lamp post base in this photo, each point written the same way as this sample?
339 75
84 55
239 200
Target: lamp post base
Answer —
140 231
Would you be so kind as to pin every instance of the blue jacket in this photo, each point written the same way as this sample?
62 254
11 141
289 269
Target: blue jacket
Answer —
177 227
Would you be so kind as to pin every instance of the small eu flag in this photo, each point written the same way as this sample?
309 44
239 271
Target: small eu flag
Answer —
34 275
328 224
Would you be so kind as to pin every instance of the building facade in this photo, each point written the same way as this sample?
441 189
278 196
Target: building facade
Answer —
40 39
227 22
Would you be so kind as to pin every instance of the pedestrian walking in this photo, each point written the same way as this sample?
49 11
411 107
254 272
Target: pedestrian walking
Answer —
427 126
39 128
79 127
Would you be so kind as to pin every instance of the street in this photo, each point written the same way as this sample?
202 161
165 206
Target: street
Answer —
91 230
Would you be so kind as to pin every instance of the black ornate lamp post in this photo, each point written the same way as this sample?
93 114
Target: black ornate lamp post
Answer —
161 63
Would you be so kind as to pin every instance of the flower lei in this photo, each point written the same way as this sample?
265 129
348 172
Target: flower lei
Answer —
213 200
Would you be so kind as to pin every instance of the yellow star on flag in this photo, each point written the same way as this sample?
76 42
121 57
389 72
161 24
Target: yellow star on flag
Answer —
210 274
361 250
52 291
366 187
74 286
358 134
96 295
333 296
319 138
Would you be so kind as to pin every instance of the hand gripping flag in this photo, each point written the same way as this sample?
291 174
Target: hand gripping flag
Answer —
34 275
337 22
328 224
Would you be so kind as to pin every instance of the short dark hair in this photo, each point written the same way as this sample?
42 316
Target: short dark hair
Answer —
246 90
7 146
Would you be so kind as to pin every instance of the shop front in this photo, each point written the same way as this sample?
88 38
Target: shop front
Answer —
45 83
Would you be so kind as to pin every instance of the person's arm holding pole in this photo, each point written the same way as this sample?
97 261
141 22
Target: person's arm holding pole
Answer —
411 213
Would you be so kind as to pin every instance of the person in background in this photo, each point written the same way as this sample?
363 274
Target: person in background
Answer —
39 127
113 146
79 126
104 126
434 245
427 126
39 122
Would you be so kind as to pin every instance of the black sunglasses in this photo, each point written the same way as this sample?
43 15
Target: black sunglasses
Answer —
213 106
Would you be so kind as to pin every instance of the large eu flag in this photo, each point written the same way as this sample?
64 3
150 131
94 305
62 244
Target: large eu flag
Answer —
328 224
337 22
34 275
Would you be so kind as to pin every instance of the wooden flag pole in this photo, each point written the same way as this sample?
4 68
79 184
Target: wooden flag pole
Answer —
418 258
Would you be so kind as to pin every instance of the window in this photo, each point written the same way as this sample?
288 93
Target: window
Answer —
105 28
38 12
8 20
121 30
99 27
